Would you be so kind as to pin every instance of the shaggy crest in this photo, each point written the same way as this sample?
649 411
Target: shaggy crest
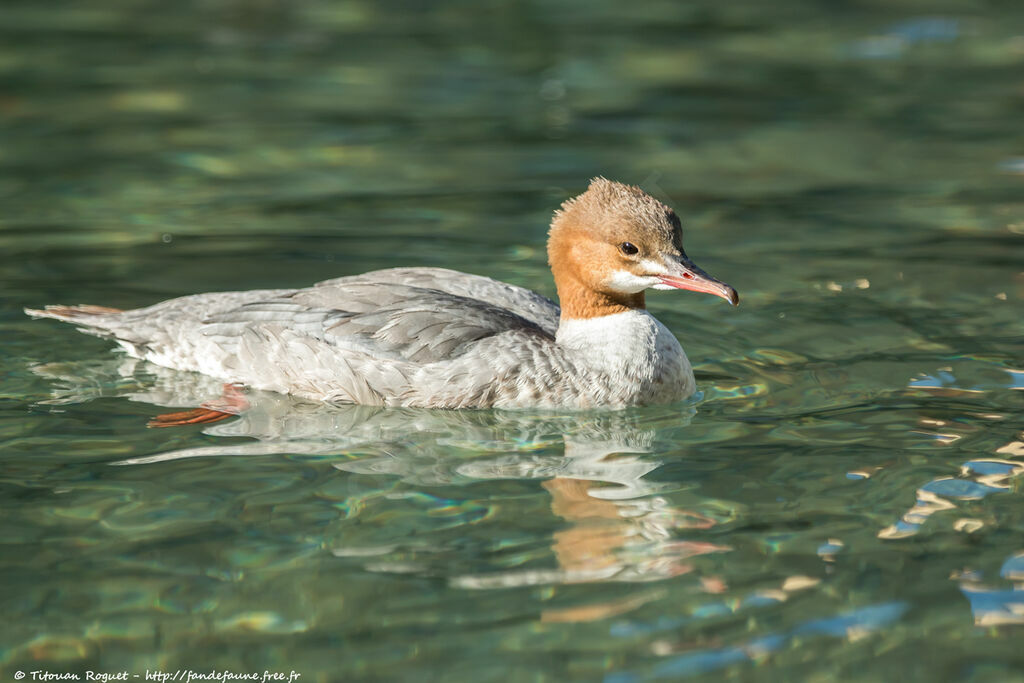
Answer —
607 203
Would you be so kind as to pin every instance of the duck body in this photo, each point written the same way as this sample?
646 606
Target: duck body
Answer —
431 337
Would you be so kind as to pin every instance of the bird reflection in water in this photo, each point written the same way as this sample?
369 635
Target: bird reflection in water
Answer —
617 526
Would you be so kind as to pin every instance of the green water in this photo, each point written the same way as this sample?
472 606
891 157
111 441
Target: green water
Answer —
844 502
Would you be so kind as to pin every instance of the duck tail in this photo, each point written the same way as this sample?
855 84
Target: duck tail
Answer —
84 314
100 321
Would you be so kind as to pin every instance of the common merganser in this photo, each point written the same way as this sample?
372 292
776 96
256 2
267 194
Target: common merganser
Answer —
438 338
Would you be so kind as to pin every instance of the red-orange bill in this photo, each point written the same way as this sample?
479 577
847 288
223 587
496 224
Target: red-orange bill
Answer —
689 276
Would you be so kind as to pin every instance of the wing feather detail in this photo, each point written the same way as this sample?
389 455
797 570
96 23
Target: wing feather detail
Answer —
415 324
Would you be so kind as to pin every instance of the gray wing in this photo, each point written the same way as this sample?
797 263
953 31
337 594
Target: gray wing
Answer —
383 320
539 310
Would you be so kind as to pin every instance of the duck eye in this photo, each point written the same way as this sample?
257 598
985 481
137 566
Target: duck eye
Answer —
628 248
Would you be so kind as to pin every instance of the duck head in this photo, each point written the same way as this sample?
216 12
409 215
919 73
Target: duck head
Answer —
614 241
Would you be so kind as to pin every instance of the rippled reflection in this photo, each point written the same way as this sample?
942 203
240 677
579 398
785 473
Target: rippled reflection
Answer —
996 606
593 466
979 477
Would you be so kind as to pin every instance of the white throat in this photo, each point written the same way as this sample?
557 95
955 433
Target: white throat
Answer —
605 329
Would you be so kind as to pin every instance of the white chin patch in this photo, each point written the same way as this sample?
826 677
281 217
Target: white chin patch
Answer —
662 285
627 283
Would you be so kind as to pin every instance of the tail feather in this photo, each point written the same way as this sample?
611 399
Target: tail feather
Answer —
100 321
80 314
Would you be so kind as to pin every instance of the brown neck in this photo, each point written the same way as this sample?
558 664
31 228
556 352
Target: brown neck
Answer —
579 302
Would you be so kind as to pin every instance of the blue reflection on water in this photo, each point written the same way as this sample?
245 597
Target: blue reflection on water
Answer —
856 623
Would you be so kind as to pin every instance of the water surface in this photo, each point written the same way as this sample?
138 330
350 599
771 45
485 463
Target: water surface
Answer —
842 502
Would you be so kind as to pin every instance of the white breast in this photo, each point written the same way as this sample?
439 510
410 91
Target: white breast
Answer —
634 357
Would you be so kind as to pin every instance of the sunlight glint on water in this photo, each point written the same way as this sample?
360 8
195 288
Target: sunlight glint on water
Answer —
841 503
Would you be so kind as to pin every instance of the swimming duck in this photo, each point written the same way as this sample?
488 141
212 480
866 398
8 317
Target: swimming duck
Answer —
438 338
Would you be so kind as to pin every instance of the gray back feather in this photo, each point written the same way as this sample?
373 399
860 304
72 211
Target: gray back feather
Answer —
385 320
